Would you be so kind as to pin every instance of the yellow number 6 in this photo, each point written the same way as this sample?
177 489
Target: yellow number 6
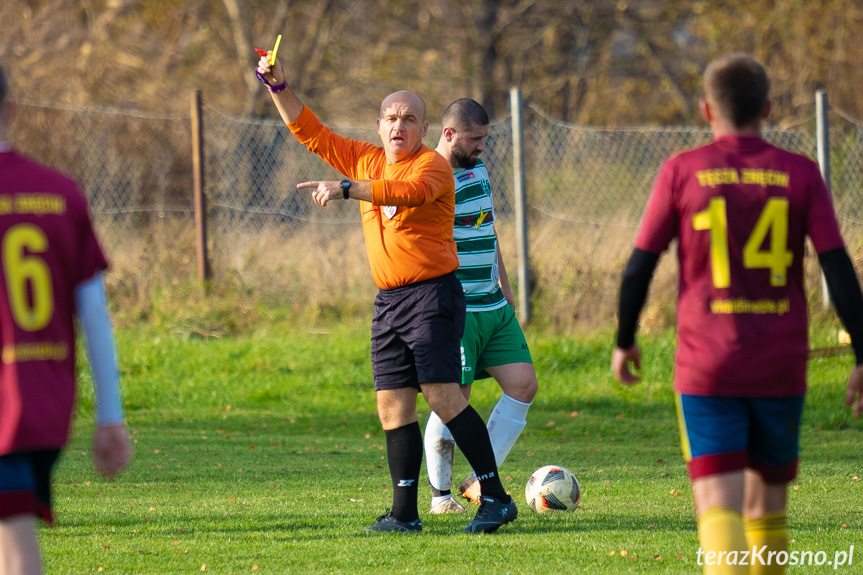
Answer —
30 311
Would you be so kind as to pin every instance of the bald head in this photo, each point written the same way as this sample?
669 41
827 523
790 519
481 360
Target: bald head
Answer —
402 125
405 98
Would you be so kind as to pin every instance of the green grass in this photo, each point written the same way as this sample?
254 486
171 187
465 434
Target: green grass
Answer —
262 453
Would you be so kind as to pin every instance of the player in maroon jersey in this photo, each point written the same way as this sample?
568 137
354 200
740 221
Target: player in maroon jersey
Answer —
741 210
50 273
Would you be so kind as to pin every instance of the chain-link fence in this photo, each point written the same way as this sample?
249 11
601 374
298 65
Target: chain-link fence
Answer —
587 188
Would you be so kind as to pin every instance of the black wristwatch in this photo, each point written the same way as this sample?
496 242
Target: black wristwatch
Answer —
346 188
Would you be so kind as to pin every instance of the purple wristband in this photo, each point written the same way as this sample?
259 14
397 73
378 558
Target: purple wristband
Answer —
273 89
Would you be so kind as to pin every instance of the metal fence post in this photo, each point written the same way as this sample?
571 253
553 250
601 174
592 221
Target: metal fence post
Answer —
520 192
822 129
203 260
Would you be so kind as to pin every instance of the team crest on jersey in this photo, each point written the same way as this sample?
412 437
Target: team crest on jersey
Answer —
389 211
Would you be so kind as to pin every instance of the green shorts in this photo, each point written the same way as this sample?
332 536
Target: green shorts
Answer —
491 338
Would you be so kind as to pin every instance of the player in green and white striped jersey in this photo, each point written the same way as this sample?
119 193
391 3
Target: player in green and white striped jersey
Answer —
493 344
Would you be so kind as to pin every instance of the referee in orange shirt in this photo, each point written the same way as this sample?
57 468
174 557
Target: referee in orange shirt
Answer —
407 199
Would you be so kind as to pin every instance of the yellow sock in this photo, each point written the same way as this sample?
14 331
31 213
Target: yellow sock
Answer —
770 531
723 543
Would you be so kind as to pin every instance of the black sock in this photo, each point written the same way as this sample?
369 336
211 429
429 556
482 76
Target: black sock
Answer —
405 456
439 492
471 436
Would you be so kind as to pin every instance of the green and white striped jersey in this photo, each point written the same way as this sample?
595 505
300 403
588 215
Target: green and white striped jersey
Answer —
476 241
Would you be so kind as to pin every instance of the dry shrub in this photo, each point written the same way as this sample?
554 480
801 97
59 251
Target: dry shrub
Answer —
308 269
576 270
287 274
315 274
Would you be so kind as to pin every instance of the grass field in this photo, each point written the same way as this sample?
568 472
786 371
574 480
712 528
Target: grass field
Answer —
262 453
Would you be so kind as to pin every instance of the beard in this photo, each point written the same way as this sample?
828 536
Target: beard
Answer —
462 159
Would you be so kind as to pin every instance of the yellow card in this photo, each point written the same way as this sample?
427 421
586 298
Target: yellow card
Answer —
275 51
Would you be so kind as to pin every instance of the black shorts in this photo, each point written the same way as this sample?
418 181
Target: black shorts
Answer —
416 333
25 484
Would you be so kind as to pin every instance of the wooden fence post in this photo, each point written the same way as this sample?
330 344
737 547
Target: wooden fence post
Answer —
203 260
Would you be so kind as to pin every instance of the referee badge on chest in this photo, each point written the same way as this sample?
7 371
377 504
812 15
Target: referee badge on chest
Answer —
389 211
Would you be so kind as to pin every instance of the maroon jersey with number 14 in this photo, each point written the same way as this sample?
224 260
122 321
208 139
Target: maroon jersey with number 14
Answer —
741 210
47 248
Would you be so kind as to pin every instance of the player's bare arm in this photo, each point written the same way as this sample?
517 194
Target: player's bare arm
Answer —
854 396
503 278
324 191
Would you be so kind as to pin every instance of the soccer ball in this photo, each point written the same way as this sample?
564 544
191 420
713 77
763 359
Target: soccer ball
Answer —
552 488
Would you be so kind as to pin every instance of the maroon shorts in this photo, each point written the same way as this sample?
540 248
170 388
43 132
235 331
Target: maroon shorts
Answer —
416 333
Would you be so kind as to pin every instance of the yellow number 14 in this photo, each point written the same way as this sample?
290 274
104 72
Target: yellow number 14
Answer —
772 222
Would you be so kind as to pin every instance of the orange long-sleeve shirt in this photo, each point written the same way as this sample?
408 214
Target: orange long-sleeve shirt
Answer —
408 225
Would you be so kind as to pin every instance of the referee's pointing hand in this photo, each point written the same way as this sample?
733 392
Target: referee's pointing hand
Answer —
323 192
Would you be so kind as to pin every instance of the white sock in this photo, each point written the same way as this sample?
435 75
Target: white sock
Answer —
438 498
440 449
505 425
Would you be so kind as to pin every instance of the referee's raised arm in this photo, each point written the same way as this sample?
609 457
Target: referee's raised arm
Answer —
273 76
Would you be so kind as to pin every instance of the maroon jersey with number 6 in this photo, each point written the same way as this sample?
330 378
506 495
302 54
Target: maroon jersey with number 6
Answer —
741 209
47 248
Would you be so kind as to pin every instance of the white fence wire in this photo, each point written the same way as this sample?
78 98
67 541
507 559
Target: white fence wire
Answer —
586 189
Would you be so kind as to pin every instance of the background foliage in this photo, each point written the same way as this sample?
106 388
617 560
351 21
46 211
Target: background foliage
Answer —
103 91
586 61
